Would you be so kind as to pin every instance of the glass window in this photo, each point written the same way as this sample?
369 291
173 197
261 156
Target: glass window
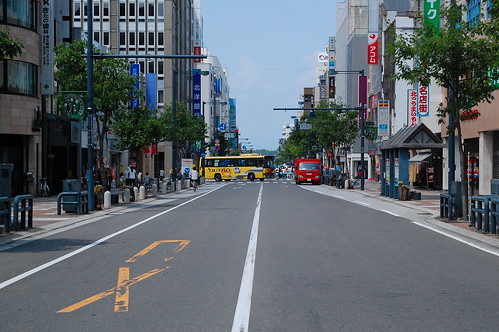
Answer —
142 9
160 38
77 11
161 99
151 38
105 9
151 66
106 38
21 12
21 78
131 9
161 10
142 38
122 9
473 11
96 10
151 10
131 39
97 36
160 68
122 39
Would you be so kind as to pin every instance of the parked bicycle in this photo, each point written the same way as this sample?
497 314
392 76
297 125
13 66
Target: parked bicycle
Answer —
44 187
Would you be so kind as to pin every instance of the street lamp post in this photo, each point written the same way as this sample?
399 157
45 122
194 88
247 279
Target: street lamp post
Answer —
90 105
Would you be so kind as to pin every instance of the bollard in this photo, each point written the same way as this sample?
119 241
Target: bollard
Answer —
136 193
142 192
179 185
107 200
127 196
164 188
154 189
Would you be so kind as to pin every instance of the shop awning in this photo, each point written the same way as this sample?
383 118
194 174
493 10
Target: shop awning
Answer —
420 158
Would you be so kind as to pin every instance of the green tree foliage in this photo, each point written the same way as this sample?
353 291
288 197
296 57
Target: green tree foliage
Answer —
9 47
335 128
113 87
188 129
462 58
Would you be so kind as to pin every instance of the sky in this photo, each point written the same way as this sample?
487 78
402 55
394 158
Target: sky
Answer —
269 48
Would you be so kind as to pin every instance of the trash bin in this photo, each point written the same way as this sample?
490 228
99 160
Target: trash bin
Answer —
70 185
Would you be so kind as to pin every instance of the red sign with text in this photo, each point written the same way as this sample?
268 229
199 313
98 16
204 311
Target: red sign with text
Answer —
372 49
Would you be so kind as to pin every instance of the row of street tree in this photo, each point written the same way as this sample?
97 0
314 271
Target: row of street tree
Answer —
114 87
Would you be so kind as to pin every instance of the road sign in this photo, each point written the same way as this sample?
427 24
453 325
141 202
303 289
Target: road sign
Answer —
217 147
229 135
222 126
244 147
305 126
217 141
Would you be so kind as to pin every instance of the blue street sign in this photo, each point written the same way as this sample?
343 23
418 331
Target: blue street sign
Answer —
244 147
222 126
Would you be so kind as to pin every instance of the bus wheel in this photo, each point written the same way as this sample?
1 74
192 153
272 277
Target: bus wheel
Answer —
218 177
251 177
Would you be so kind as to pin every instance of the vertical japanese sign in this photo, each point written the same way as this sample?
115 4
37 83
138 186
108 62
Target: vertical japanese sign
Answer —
196 92
412 106
423 100
383 117
197 34
432 14
372 49
135 71
47 40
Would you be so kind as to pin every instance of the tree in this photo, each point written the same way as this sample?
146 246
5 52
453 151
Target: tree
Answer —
335 127
188 129
9 47
113 88
462 58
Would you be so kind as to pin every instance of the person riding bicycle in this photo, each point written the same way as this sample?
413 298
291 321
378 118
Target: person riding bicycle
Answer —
194 177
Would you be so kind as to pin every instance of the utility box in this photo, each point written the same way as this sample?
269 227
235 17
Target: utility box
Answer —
455 192
70 185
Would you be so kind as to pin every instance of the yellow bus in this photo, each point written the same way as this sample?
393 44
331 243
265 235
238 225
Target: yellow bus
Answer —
245 166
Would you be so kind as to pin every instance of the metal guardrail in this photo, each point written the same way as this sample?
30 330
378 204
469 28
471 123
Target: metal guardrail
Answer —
81 202
494 213
23 199
5 212
480 206
446 206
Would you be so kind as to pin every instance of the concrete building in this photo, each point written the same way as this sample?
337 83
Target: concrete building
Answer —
20 96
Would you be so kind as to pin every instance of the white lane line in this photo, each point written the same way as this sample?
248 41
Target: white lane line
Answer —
389 212
93 244
363 203
243 307
460 239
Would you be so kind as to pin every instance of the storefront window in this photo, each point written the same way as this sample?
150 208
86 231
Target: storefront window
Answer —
19 12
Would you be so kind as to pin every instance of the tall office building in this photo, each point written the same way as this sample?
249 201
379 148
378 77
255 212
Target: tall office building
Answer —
145 27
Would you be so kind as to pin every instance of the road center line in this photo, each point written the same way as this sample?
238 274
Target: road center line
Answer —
93 244
243 308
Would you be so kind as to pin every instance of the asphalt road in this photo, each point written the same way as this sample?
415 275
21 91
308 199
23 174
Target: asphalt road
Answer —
254 256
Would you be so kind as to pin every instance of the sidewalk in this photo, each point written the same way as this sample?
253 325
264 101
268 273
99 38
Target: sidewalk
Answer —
45 216
430 202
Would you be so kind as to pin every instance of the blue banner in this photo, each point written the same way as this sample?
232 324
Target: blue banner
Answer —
135 71
151 91
196 92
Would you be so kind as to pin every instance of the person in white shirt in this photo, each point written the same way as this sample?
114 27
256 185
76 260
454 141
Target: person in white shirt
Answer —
194 177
